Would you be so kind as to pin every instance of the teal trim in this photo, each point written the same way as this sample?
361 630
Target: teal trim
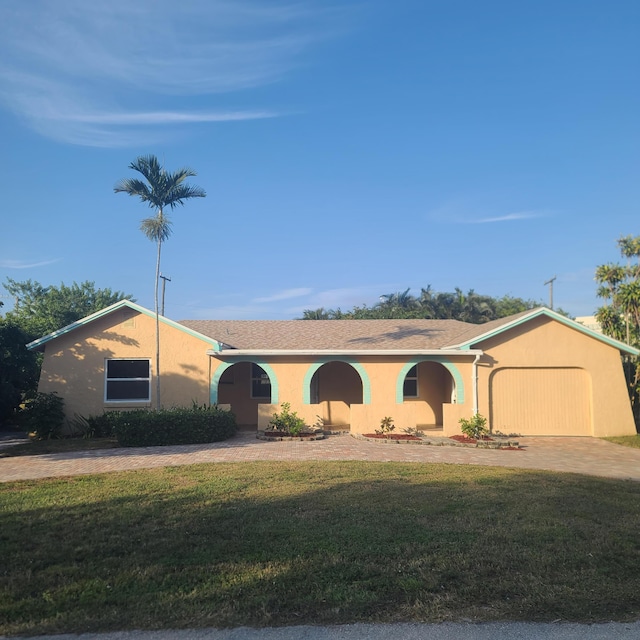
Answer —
445 362
115 307
364 377
275 389
621 346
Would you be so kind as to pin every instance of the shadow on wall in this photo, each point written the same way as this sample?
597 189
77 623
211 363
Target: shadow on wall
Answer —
77 373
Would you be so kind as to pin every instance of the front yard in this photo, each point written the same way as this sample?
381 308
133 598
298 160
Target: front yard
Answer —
321 542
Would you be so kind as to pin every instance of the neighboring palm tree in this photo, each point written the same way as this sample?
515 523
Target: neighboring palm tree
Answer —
161 190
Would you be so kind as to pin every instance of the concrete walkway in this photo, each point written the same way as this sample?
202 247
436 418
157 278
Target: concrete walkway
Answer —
589 456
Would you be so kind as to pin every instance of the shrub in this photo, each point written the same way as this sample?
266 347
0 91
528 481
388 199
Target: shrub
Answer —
197 425
475 427
99 426
386 426
287 421
43 415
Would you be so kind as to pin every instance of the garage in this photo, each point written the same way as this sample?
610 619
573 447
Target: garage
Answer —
541 401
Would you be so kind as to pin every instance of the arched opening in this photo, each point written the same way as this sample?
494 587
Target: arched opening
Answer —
244 385
335 386
430 385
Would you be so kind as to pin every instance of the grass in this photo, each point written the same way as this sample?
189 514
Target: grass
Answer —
626 441
268 543
38 447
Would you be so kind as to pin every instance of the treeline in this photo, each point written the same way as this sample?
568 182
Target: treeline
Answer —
39 310
457 305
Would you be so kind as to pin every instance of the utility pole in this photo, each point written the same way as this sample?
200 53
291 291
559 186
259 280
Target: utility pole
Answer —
550 283
164 284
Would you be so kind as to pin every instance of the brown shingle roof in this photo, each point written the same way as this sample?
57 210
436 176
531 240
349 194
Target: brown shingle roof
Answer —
475 330
332 334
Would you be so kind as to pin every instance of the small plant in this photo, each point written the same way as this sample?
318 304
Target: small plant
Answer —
386 426
413 431
287 421
475 427
319 423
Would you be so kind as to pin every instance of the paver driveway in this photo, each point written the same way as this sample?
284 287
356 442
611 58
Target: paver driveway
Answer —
577 455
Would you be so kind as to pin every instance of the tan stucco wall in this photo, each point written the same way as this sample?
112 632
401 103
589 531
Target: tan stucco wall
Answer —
544 343
341 393
74 363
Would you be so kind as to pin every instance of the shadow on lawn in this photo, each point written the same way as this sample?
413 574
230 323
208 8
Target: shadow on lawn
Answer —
282 543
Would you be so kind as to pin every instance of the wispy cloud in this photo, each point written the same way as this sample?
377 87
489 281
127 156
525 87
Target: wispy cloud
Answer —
79 71
243 307
287 294
521 215
482 209
21 264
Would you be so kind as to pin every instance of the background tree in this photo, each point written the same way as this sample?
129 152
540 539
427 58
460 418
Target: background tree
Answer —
456 305
19 371
39 310
159 190
619 317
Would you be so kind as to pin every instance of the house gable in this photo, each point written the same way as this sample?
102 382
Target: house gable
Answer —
38 345
507 324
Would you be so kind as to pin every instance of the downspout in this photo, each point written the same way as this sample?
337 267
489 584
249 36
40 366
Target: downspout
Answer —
475 384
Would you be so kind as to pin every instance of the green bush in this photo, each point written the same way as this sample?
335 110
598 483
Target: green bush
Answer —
287 421
475 427
43 415
99 426
197 425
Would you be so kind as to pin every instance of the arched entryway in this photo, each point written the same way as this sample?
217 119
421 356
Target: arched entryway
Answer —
244 385
430 384
334 386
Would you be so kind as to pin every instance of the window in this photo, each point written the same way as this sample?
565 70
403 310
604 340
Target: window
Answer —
410 389
260 383
128 381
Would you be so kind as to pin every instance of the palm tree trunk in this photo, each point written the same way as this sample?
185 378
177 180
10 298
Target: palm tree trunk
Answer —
158 404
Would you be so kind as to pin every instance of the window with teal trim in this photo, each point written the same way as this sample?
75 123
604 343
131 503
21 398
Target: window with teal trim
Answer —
127 380
260 383
410 387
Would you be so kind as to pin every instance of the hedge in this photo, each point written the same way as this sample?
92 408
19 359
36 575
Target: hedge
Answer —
197 425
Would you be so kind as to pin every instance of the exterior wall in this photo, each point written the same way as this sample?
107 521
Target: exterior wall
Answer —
361 392
235 390
546 344
74 363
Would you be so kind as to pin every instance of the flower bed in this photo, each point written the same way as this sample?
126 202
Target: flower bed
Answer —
487 442
277 436
391 436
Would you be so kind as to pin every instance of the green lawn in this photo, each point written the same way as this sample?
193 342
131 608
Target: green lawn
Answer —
626 441
324 542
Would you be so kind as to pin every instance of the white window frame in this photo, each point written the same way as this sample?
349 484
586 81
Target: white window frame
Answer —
257 378
126 400
410 377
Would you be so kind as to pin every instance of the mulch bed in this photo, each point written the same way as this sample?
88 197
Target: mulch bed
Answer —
390 436
468 440
279 435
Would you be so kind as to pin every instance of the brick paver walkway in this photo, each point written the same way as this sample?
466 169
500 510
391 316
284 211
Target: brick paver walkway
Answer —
577 455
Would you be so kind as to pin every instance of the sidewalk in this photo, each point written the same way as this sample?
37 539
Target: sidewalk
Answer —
589 456
401 631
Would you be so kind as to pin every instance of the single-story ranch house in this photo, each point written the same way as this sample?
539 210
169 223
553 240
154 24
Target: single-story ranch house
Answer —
533 373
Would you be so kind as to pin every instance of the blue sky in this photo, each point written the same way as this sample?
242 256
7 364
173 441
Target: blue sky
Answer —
348 149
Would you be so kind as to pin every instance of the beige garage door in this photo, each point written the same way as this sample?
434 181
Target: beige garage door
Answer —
541 401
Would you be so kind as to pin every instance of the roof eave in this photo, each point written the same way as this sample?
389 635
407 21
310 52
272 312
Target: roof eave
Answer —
543 311
39 344
238 353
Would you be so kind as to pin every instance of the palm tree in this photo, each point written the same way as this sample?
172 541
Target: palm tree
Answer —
161 190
